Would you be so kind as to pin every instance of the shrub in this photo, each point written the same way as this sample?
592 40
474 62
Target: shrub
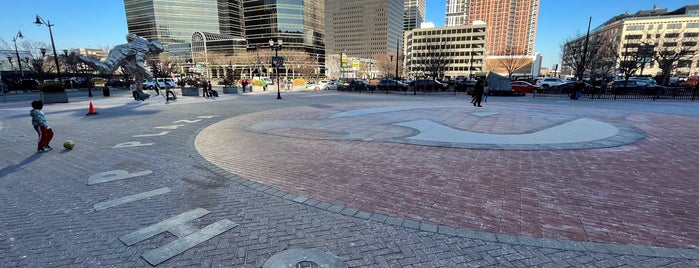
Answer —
230 80
51 87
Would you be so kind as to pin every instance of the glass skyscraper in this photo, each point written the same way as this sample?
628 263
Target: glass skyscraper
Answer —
174 22
298 23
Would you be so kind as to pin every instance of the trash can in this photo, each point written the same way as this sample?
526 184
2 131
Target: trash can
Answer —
105 91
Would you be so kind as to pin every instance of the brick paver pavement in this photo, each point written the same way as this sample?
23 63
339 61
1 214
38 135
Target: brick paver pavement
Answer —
642 193
48 216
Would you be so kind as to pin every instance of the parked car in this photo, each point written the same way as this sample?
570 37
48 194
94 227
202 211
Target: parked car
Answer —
523 86
549 82
72 83
312 86
465 85
692 82
389 84
323 84
570 87
619 87
647 80
116 83
332 85
429 84
359 85
161 83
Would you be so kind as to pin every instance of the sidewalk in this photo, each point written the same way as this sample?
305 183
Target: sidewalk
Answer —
375 180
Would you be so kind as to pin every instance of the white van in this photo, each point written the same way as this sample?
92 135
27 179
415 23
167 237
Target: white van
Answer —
161 83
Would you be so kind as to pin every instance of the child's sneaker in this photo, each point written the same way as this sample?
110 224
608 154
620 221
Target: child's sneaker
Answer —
41 150
48 148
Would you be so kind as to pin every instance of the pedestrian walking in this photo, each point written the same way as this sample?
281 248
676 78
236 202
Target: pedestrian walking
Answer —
205 89
244 83
41 127
134 91
486 91
478 93
168 92
209 89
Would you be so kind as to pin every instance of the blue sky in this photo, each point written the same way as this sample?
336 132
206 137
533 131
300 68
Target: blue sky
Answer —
101 23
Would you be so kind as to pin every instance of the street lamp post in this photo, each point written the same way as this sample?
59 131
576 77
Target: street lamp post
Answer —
397 58
581 70
276 62
19 61
470 62
39 21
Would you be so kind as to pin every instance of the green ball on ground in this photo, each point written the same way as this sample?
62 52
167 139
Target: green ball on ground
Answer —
69 145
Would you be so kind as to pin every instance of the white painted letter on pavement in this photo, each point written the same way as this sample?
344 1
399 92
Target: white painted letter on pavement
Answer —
114 175
180 225
131 144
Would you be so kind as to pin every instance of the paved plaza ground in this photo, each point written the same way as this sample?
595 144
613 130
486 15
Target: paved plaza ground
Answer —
372 180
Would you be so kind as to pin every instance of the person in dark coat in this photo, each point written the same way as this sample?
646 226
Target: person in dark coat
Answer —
478 93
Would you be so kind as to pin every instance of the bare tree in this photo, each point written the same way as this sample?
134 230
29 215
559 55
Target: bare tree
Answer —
431 56
383 64
603 56
511 62
670 50
41 64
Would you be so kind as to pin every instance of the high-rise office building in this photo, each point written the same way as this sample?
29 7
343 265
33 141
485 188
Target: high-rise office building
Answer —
413 14
174 22
511 23
299 24
364 28
457 13
191 29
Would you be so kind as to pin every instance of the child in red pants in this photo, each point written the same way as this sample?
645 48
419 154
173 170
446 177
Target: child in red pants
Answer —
41 126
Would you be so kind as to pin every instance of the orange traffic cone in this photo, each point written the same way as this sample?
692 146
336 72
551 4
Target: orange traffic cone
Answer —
92 109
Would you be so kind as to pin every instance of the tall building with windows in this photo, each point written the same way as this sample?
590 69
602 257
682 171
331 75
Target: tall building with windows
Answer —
446 52
191 29
299 24
511 23
639 44
174 22
457 13
413 14
364 28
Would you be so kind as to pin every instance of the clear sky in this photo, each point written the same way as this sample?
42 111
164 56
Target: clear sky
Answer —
102 23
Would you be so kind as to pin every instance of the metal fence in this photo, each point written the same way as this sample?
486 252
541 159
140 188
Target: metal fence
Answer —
665 93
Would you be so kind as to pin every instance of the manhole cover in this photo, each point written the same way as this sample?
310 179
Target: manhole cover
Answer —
303 258
307 264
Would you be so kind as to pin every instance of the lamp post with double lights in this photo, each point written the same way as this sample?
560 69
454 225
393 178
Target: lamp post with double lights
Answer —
277 61
39 21
19 61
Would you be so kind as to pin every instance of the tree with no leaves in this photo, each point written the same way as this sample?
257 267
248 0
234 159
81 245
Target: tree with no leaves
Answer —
511 62
669 51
